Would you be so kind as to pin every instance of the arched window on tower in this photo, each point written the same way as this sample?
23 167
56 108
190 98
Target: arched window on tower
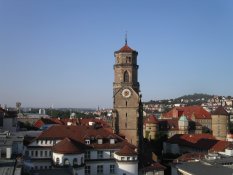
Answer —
126 77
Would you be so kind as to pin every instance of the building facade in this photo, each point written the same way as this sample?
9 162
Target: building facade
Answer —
86 150
220 122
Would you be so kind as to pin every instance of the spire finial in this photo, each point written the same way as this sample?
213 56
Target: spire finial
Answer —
126 38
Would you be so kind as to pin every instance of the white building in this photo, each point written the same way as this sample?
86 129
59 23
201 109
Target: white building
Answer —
83 149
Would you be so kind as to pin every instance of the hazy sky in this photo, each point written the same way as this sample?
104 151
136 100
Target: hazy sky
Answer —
60 52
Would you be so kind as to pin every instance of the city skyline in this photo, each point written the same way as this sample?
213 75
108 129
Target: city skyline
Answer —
61 53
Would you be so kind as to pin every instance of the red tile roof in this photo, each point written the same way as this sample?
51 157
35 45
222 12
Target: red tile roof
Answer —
190 111
152 119
80 133
168 124
85 121
44 121
126 151
154 166
67 146
221 145
172 124
188 157
199 141
220 111
126 48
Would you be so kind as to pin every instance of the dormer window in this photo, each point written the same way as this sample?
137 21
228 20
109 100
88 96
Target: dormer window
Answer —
100 141
112 141
87 141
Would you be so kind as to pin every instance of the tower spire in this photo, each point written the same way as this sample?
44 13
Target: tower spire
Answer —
126 38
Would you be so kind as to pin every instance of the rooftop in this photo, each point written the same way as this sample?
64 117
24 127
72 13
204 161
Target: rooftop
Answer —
190 111
67 146
199 141
80 133
126 151
220 111
152 119
200 168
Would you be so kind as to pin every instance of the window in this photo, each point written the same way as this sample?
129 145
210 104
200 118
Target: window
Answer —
57 161
100 141
46 153
111 154
100 169
41 153
112 169
126 120
87 155
66 162
75 161
87 141
112 141
99 154
36 153
87 170
126 77
32 153
128 60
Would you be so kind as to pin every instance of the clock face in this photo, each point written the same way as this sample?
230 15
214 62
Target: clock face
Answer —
126 93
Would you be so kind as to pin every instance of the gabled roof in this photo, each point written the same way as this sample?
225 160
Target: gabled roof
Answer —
152 119
126 48
168 124
79 133
44 121
189 157
197 111
67 146
199 141
154 166
126 151
220 111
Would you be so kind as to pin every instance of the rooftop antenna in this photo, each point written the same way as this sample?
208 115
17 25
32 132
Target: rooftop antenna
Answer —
126 38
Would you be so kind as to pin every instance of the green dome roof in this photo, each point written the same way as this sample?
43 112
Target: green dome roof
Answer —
183 118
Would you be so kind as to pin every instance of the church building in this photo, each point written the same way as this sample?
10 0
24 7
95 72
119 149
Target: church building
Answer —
128 120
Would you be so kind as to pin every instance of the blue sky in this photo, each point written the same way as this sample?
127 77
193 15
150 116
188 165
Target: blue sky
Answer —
61 52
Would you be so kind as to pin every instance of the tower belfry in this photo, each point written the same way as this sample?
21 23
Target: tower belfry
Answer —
126 98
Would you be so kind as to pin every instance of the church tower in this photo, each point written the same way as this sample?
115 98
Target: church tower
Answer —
126 99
